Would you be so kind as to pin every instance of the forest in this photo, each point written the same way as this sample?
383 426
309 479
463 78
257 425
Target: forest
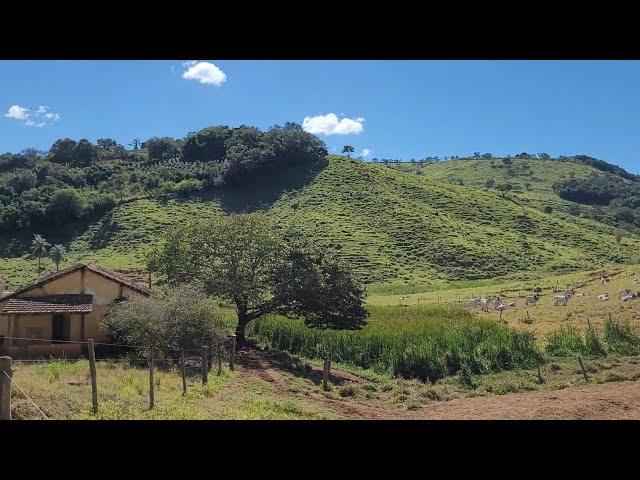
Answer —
79 179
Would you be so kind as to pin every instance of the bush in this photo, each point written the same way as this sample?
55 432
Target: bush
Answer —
620 338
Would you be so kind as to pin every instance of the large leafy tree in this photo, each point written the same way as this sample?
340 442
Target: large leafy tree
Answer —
348 149
39 249
161 148
243 259
207 145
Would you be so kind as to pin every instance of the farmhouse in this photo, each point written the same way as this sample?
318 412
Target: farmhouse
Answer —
65 305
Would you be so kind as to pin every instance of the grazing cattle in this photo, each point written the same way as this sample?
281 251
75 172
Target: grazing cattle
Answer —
474 302
530 299
501 308
625 292
497 301
568 292
603 297
602 280
636 281
484 304
560 300
512 304
579 295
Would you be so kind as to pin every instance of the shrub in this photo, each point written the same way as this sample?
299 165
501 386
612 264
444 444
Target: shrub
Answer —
620 338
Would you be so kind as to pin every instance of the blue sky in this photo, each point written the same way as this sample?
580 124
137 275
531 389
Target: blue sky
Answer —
393 109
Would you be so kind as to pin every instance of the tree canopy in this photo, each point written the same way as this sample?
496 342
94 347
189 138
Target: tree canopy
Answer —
245 260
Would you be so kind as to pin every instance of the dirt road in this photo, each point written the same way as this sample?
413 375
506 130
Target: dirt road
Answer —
615 400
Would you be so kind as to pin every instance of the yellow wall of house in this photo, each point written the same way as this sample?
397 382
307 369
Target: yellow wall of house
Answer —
104 292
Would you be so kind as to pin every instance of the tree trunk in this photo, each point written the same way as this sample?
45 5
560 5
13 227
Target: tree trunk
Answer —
240 328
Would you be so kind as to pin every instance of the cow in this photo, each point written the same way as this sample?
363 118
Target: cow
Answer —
497 301
530 299
569 292
560 300
603 297
484 304
625 292
636 281
512 304
579 295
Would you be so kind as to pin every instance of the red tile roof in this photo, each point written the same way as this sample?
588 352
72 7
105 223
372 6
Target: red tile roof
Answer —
88 266
65 303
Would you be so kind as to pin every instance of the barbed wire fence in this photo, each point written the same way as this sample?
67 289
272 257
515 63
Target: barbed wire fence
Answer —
187 363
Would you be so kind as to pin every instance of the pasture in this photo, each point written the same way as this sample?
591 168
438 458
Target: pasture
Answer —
580 311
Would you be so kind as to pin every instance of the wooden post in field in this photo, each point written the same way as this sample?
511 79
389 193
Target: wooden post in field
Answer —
151 385
184 377
232 357
94 377
325 372
205 365
219 358
584 371
152 396
5 388
540 379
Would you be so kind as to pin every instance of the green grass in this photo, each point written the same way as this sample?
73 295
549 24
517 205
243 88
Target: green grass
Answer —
427 343
616 338
399 231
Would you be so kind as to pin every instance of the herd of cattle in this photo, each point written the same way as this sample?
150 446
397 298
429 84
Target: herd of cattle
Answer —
558 300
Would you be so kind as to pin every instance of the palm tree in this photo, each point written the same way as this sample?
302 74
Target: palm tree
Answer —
39 248
57 254
348 149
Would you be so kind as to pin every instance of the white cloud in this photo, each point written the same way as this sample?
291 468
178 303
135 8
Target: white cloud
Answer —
39 117
366 152
17 112
330 125
204 72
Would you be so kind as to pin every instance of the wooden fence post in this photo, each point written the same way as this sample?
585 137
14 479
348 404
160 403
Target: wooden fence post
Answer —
5 388
325 372
151 385
232 358
94 379
184 377
219 358
584 371
205 365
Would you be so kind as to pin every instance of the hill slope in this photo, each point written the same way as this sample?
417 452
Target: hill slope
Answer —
390 225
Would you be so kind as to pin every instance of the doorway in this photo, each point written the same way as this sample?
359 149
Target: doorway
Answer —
61 327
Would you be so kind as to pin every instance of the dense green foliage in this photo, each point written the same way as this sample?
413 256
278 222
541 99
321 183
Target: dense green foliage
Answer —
428 343
616 338
80 180
245 260
180 318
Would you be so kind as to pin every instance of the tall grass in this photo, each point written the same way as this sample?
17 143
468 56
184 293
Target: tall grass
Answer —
428 343
616 338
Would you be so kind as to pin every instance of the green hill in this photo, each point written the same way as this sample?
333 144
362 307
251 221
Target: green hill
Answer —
391 224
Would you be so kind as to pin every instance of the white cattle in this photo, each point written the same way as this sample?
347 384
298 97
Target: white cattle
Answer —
530 299
603 297
560 300
512 304
474 302
625 292
579 295
484 304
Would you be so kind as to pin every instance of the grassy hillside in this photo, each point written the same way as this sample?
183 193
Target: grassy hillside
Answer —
391 225
532 179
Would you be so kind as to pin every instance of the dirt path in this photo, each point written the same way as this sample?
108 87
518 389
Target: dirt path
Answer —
619 400
616 400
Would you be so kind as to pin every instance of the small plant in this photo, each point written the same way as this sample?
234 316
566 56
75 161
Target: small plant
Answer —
348 391
620 338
